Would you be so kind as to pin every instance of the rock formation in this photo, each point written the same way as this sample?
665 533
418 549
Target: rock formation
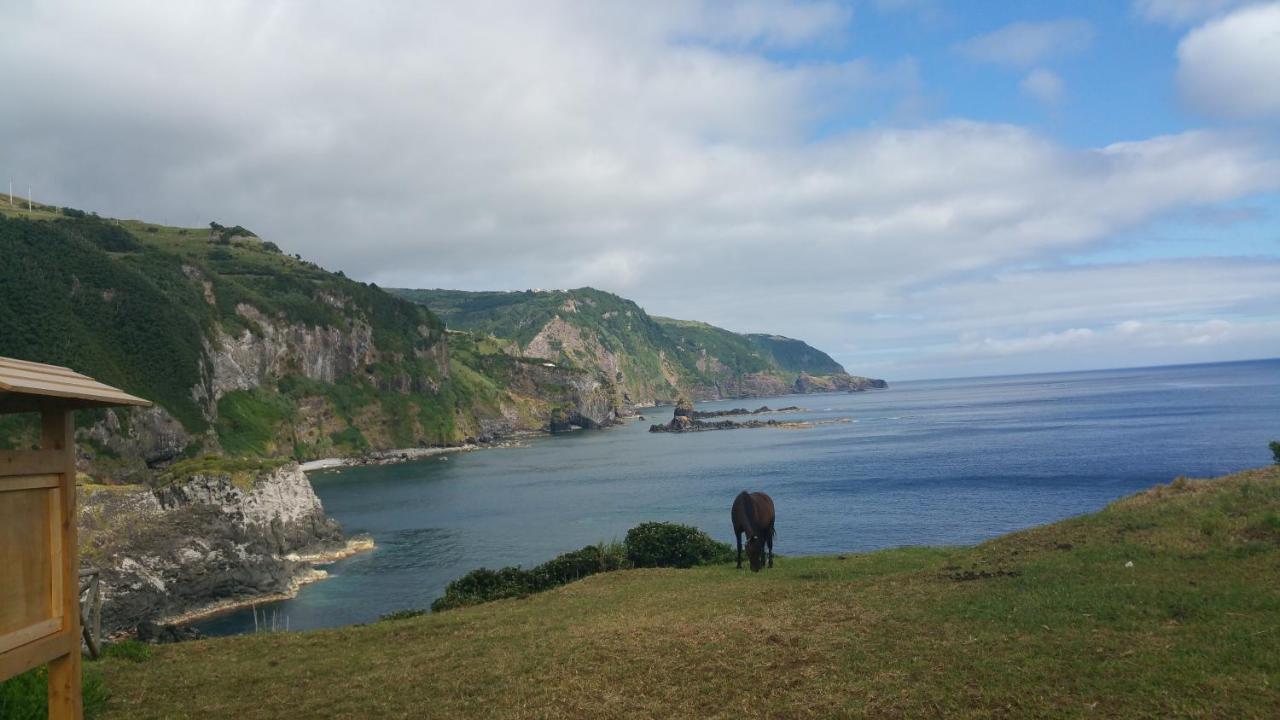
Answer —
210 538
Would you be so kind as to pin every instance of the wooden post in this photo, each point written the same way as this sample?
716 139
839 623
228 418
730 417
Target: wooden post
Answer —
65 702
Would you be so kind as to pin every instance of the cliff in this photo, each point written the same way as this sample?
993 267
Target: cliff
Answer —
217 535
249 352
652 359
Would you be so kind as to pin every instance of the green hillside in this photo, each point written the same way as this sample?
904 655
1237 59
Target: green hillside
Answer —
246 350
655 359
1165 604
795 355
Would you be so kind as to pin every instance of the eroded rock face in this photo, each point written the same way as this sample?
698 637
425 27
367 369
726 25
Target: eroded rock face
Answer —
322 353
202 540
127 441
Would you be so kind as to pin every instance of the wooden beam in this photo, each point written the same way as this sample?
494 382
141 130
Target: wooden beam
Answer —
65 701
29 633
29 462
33 654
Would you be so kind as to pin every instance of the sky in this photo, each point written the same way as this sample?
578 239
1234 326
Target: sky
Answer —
920 188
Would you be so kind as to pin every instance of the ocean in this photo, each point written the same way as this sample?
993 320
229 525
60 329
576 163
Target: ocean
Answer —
941 462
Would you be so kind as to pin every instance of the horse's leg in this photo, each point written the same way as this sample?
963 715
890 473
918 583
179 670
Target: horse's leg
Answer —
770 543
737 534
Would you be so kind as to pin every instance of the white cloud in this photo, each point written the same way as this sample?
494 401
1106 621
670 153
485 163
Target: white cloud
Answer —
1044 86
665 155
1024 44
1230 67
1182 12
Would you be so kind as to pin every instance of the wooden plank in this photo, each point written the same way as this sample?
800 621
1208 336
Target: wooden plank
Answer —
12 379
7 362
56 587
33 654
103 393
29 633
29 462
28 482
26 564
65 702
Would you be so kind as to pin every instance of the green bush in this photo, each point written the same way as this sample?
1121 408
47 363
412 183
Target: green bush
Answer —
484 585
1275 451
402 614
661 544
653 544
26 696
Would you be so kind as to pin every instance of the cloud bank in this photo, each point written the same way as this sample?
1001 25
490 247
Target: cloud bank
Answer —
672 156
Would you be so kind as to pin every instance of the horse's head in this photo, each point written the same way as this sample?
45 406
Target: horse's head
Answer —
755 552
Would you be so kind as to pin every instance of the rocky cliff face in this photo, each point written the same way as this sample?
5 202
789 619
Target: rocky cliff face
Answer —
213 537
806 383
273 349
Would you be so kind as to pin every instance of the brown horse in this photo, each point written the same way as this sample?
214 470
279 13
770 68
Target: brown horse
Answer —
753 514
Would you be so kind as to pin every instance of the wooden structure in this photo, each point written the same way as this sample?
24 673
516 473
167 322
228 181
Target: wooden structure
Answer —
39 557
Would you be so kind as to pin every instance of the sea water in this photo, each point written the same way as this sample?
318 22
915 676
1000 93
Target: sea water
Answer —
945 462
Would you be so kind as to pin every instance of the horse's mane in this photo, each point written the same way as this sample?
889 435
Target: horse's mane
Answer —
748 505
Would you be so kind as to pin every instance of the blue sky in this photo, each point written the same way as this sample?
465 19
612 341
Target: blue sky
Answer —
921 188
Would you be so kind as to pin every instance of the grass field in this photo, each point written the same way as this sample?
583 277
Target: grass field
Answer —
1165 604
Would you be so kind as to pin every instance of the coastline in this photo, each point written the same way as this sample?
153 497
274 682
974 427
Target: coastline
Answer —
383 457
305 576
508 440
404 455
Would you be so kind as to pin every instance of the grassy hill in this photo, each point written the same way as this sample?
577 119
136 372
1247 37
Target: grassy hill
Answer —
1166 603
655 359
247 351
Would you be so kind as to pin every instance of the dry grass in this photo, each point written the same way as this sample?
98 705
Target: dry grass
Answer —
1045 623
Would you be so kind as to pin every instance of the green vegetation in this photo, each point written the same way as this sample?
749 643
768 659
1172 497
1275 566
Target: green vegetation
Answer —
402 615
242 471
652 544
128 649
248 421
598 330
1165 604
69 300
26 696
139 306
1275 451
484 585
796 355
663 544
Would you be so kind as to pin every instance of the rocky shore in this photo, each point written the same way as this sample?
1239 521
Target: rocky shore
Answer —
685 419
205 543
762 410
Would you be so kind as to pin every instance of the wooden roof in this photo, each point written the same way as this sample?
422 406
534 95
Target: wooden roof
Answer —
27 386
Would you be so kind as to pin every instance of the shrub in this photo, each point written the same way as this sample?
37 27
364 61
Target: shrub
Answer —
402 614
661 544
1275 451
484 585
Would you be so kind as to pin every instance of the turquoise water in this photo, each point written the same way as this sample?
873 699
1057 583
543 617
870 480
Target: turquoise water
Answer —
931 462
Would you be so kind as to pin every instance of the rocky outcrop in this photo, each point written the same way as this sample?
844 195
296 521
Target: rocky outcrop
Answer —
269 349
762 410
806 383
684 408
206 539
556 399
125 443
